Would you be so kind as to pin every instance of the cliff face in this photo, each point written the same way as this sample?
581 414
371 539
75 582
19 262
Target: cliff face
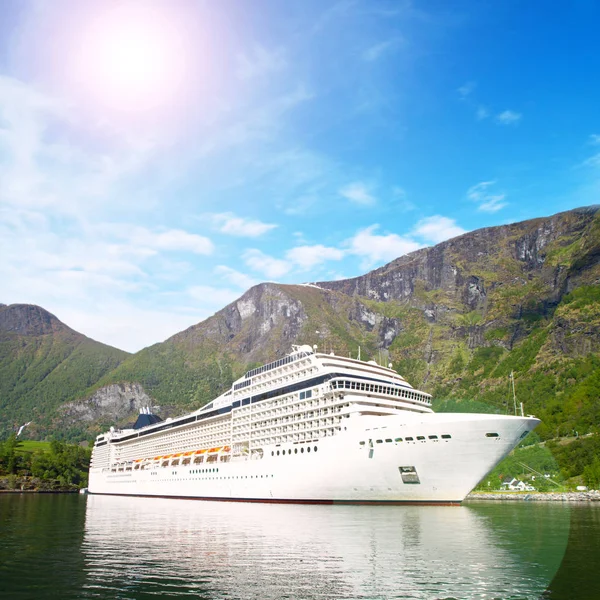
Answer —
111 404
28 319
455 319
559 251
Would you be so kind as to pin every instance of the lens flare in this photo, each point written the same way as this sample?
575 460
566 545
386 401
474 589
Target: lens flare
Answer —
130 57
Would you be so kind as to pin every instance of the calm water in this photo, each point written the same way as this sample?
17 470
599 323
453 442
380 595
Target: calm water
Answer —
69 546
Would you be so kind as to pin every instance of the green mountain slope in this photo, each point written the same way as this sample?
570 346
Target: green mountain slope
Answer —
44 363
455 319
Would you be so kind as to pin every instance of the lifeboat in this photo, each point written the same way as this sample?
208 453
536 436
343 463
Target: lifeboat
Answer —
215 450
200 451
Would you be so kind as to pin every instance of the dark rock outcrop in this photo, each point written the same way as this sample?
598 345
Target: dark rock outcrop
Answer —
29 319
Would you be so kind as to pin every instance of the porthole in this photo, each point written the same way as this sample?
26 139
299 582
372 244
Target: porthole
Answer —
315 448
277 452
446 436
492 435
302 450
398 440
433 437
295 450
408 439
290 451
362 443
379 441
388 440
308 449
420 437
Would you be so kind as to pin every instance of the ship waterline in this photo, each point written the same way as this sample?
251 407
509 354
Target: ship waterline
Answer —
313 428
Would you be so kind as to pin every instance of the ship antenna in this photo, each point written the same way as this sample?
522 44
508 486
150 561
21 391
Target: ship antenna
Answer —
512 379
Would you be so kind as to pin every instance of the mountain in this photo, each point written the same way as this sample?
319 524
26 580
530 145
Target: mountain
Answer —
43 364
456 319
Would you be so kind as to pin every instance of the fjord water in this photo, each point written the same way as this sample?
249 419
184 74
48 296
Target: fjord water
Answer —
68 546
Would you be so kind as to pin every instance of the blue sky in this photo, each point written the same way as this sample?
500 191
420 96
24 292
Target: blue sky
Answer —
159 158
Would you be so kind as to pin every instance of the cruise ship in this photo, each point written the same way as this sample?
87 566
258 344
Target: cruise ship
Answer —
308 428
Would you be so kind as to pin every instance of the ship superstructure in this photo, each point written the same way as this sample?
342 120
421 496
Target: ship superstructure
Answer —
309 427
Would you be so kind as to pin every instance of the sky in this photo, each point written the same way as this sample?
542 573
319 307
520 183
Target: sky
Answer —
158 158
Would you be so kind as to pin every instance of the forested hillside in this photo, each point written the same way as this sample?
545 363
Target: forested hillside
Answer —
43 364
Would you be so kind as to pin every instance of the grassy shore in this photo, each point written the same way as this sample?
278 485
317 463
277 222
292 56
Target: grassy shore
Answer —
588 496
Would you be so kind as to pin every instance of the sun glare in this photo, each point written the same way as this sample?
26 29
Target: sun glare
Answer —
131 58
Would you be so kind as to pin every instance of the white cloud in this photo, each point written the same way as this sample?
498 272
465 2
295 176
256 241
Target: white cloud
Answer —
592 161
376 51
238 226
125 325
273 268
482 113
508 117
212 297
307 257
493 204
179 240
487 201
380 248
358 193
437 229
237 278
467 89
146 240
595 139
260 62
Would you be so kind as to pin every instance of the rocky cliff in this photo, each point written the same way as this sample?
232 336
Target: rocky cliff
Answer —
455 319
110 404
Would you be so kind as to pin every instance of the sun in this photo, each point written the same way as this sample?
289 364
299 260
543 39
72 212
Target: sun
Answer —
130 57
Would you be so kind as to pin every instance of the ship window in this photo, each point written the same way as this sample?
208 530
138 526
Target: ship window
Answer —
362 443
290 451
491 435
380 441
409 475
420 437
408 439
388 440
315 448
295 450
446 436
433 437
398 440
308 449
302 450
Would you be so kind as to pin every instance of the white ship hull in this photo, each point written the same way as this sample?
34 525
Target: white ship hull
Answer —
366 463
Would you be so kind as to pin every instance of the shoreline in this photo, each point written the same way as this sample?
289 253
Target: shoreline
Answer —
590 496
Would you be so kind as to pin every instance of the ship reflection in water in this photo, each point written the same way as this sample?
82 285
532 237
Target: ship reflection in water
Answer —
139 547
